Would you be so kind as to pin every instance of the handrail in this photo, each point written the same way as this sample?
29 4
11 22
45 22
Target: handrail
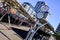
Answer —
19 8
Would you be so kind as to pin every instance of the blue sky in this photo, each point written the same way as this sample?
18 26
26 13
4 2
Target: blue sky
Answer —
54 9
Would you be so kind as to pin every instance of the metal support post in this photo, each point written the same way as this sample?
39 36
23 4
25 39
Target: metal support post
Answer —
43 38
2 16
9 19
21 23
31 33
31 36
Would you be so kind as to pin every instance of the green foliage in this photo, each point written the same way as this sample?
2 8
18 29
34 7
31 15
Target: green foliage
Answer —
58 36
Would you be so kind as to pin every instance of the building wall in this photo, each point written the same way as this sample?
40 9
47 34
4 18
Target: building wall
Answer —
46 15
38 6
30 10
41 14
58 28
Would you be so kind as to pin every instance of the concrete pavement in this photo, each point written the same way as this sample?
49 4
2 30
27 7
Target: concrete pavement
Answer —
6 32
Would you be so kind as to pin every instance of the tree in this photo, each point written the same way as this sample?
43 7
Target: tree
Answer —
58 36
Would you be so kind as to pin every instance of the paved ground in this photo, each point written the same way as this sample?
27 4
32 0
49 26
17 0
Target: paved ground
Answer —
12 32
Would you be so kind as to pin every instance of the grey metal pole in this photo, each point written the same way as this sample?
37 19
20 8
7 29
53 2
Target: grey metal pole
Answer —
30 31
9 19
21 22
43 37
2 16
31 36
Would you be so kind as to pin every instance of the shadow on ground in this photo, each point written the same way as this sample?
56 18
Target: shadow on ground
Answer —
21 33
